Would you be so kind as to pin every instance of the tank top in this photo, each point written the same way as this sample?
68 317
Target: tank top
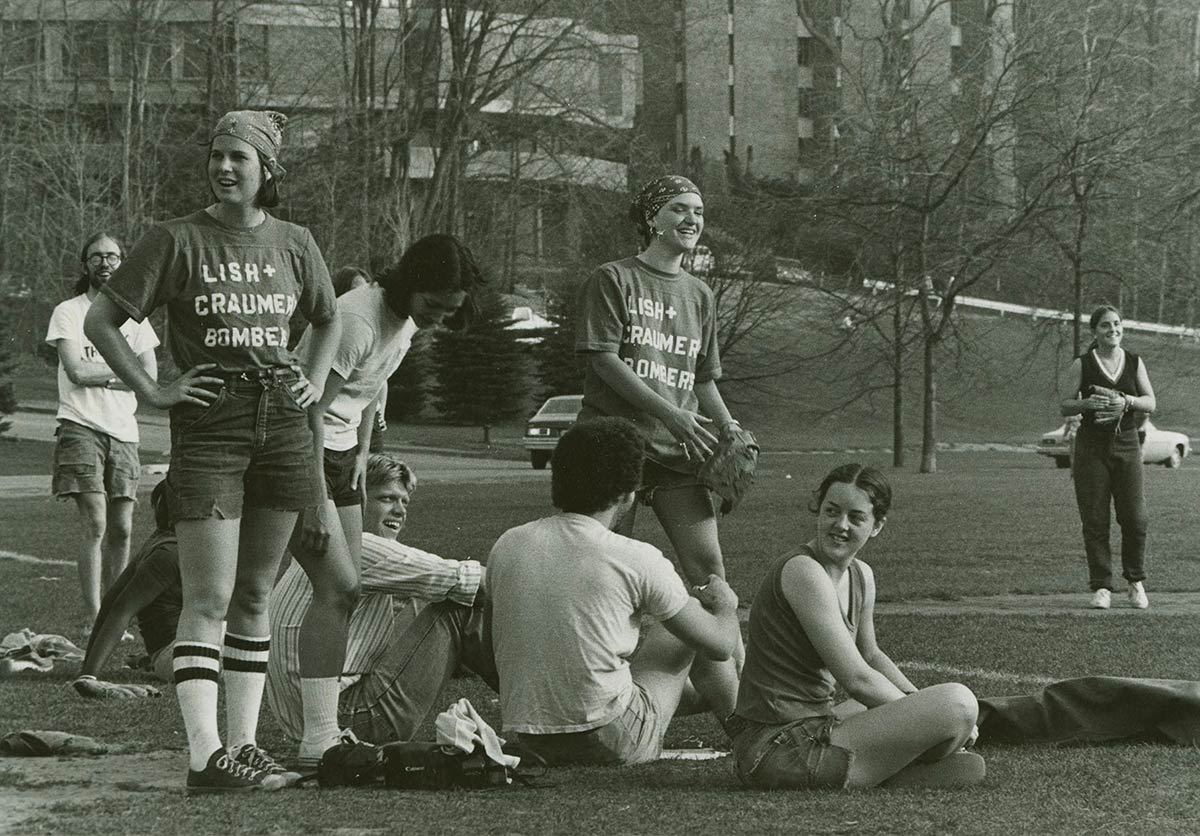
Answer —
784 677
1092 374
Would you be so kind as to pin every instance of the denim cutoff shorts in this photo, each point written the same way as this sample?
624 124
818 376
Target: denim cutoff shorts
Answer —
795 755
634 736
252 446
89 461
339 471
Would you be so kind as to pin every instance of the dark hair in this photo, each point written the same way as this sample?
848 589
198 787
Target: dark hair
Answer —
645 234
596 461
867 479
437 263
345 277
84 281
382 468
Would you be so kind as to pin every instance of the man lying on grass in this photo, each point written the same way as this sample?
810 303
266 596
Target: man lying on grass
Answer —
568 596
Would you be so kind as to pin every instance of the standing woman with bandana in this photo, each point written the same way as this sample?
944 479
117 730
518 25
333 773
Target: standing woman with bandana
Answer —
231 276
648 331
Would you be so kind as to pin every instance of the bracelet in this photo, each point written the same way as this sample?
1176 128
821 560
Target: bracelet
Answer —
87 676
108 384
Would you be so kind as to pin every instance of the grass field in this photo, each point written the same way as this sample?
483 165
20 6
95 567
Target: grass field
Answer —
988 523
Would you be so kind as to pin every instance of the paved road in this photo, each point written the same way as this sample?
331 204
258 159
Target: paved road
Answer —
431 465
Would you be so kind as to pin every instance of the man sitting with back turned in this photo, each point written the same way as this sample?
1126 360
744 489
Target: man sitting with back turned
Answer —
567 597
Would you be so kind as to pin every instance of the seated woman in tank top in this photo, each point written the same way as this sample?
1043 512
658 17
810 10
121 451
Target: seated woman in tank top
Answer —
811 629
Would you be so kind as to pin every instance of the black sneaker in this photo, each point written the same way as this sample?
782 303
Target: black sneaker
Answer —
224 774
257 758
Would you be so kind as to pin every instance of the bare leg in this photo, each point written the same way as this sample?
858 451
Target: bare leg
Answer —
927 725
114 547
661 666
334 579
93 508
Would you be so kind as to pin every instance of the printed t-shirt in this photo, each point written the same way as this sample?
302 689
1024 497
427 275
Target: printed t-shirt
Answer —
230 293
567 599
374 341
664 327
109 411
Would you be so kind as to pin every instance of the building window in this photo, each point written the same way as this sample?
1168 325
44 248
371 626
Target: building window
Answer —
85 50
804 102
22 47
253 51
955 13
154 47
193 39
804 52
610 78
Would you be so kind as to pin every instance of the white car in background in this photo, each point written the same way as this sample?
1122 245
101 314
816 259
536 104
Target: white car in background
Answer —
1160 447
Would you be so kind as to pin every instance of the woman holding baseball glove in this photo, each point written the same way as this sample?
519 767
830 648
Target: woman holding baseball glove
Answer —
1113 398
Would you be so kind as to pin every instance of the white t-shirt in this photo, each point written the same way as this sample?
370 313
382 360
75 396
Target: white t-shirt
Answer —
105 410
374 341
567 600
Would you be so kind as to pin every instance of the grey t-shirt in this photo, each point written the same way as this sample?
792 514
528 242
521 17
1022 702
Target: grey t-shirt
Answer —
230 293
664 327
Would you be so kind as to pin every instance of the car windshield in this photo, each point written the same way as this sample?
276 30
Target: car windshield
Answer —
563 406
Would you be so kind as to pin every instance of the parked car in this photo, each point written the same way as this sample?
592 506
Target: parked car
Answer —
547 425
1160 447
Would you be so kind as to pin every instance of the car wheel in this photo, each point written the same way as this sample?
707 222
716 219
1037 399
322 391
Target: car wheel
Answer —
1062 461
539 459
1175 459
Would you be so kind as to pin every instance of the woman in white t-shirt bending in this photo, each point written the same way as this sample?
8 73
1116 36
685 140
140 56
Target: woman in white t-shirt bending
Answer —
431 285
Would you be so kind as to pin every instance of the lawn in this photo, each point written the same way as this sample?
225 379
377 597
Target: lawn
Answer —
988 523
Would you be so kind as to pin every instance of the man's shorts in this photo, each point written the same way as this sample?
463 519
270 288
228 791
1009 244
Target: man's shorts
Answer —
635 736
339 471
251 446
795 755
89 461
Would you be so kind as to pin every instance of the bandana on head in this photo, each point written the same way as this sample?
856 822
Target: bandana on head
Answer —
658 193
263 129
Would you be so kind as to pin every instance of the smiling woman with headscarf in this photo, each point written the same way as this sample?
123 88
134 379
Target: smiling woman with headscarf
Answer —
648 331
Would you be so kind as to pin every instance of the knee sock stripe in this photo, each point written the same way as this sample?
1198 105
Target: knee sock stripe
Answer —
244 655
245 665
259 644
196 662
192 649
186 674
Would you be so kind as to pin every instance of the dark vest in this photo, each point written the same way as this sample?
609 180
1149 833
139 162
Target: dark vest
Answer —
1092 375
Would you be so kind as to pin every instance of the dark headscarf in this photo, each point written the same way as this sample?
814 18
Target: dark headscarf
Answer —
657 193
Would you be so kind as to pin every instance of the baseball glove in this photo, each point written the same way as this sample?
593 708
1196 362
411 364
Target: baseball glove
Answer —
729 471
351 763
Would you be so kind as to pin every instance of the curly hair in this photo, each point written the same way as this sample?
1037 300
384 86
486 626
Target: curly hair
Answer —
437 263
867 479
595 463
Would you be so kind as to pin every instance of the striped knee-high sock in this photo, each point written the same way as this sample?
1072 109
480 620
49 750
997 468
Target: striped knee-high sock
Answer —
196 666
245 663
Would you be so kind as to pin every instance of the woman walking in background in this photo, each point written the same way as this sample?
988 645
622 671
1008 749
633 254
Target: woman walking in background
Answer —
1113 397
242 467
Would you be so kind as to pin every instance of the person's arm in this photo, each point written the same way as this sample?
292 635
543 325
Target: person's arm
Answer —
871 652
149 364
685 426
314 536
323 344
1145 400
713 405
82 372
708 623
813 599
103 327
407 572
1076 404
366 426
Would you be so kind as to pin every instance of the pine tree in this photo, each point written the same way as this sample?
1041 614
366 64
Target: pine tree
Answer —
560 369
408 388
482 372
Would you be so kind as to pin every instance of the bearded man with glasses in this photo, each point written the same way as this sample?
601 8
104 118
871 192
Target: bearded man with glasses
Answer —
96 458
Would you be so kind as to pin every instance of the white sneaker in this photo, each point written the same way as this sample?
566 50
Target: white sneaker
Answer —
1101 599
1137 596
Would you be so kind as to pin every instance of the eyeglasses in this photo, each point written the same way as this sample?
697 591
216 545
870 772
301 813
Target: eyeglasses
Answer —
111 259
